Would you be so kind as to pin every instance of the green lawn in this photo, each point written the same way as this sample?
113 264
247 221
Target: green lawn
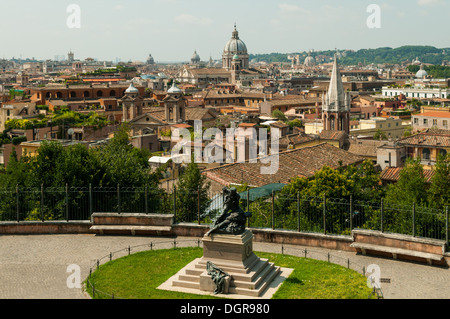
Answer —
137 276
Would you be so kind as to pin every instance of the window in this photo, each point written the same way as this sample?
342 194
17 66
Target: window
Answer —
425 122
445 123
434 122
426 154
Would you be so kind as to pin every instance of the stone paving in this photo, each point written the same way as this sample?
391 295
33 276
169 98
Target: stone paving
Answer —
35 266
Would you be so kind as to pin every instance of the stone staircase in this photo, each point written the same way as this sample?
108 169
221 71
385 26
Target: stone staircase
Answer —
250 280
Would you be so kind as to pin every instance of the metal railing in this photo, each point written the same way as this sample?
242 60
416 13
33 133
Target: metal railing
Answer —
276 211
173 244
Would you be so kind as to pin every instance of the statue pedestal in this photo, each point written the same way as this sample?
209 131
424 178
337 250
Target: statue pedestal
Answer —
228 248
249 275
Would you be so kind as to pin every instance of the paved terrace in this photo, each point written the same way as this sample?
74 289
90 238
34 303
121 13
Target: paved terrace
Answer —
34 266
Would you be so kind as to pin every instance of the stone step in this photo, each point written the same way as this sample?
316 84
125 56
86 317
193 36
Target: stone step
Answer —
256 292
186 284
256 280
253 272
190 278
194 272
230 266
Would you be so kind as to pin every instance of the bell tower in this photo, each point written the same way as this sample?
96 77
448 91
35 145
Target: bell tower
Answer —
132 103
336 104
174 105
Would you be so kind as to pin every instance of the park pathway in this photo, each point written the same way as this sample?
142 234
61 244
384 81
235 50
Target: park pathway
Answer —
35 266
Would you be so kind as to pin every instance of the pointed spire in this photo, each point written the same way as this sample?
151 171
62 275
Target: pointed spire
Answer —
336 93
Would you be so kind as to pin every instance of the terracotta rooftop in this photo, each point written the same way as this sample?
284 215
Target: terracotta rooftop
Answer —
392 174
438 138
295 139
302 162
435 114
332 135
366 150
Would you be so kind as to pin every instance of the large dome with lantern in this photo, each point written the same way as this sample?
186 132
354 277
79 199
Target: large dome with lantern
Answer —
235 47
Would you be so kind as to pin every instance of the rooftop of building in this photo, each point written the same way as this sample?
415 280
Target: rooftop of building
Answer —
302 162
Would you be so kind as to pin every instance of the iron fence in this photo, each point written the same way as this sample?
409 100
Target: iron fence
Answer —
336 216
90 284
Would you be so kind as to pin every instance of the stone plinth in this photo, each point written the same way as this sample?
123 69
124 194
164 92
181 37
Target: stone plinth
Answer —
249 275
235 248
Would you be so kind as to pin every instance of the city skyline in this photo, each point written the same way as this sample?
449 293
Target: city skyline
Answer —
171 30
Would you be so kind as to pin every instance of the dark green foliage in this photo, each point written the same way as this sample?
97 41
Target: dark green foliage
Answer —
192 194
439 192
436 71
426 54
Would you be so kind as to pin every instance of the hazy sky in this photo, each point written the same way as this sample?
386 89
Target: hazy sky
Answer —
172 29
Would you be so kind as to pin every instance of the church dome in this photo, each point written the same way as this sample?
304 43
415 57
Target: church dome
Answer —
235 45
195 57
150 59
421 73
309 61
132 89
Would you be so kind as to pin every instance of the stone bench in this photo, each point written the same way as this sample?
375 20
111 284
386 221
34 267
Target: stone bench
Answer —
131 223
399 246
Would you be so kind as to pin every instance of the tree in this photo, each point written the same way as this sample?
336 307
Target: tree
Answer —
295 123
411 186
16 173
279 115
408 131
192 192
439 192
119 163
379 134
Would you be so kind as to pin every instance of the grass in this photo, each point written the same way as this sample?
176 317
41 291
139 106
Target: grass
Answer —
137 276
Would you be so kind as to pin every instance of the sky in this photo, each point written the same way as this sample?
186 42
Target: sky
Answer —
171 30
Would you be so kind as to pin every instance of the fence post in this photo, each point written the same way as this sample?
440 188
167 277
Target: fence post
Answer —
273 208
298 211
174 204
381 215
351 213
446 226
324 212
414 220
248 207
146 199
17 203
198 204
42 202
90 200
67 202
118 198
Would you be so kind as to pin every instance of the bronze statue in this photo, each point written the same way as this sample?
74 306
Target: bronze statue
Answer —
232 220
218 277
